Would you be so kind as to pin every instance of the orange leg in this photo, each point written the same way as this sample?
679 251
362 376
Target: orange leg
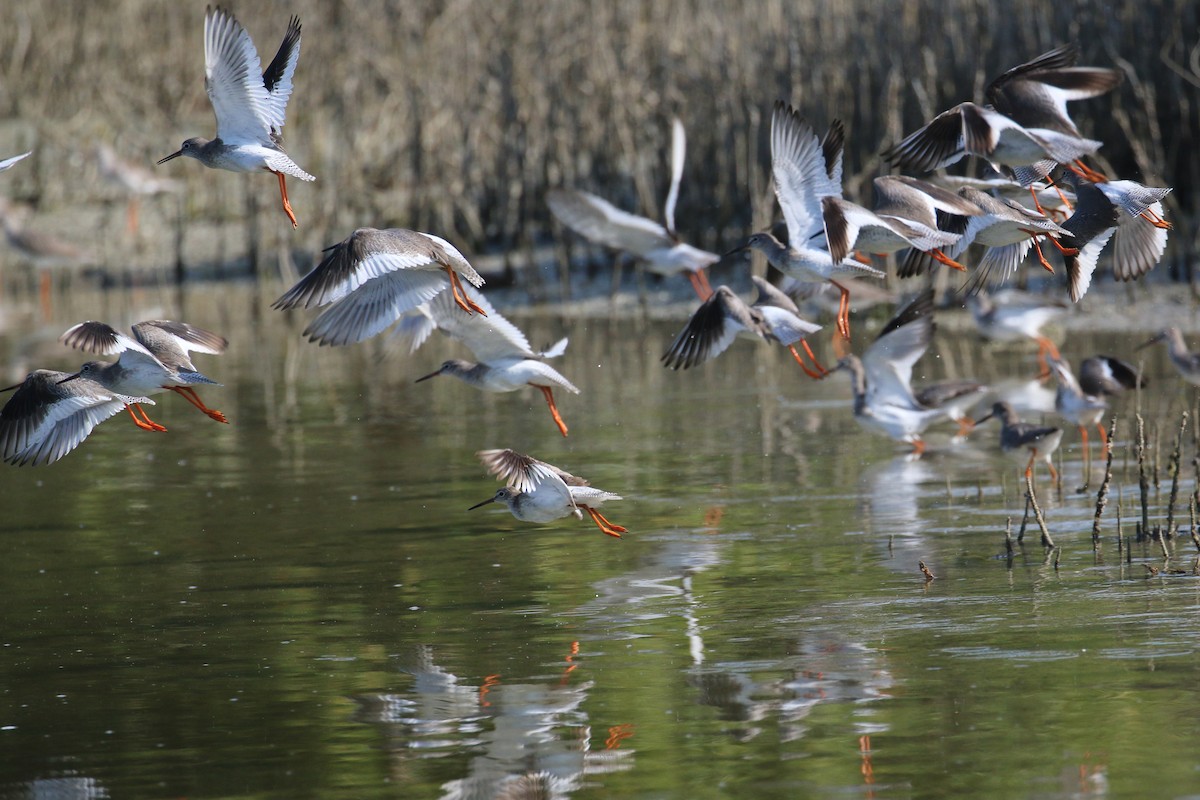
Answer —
965 426
1089 173
189 394
460 296
1046 346
1087 453
699 280
1103 434
603 524
604 519
1041 258
1054 240
817 364
44 293
816 376
148 424
942 258
1061 196
1053 471
1156 220
131 215
843 315
549 393
918 447
1037 203
287 207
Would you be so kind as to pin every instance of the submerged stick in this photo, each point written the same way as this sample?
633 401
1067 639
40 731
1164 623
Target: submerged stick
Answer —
1143 479
1037 512
1192 522
1174 470
1196 471
1102 495
1024 520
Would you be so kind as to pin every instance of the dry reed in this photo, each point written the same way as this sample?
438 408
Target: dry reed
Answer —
456 116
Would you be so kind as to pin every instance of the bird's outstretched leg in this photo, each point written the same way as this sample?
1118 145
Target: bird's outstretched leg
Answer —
287 207
558 420
1084 171
189 394
843 315
1062 248
1041 258
460 296
604 525
131 215
700 283
1156 220
1045 346
145 423
1062 196
942 258
821 371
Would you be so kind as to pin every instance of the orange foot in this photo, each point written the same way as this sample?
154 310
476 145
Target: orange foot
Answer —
145 423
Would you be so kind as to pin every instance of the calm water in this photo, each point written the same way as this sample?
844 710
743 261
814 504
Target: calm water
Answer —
299 605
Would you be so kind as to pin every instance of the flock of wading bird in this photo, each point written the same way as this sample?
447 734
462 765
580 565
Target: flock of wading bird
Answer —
1043 193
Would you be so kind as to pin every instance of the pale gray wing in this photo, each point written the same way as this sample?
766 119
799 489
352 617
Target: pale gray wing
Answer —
490 337
890 358
523 473
415 327
678 152
711 330
801 179
45 418
598 220
784 326
103 339
374 306
1081 267
233 80
1138 245
9 162
180 335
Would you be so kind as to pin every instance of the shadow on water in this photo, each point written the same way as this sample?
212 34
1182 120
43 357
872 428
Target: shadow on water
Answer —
300 604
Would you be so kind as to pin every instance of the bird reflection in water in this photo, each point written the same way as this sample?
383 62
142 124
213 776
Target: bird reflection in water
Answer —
528 737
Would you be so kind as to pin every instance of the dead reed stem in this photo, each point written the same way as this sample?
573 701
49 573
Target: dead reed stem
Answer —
1102 495
1173 468
1143 478
1037 512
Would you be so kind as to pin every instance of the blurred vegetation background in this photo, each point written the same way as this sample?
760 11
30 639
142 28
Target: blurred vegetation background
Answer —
456 116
